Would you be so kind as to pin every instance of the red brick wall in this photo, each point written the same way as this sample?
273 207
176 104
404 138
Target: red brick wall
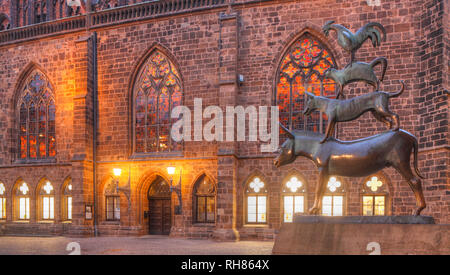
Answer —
208 51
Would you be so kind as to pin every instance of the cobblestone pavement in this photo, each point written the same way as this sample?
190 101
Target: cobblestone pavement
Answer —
153 245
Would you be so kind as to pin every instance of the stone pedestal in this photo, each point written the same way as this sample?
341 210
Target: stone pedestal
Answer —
363 235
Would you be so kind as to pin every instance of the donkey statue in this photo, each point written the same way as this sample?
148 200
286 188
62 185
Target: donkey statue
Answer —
358 158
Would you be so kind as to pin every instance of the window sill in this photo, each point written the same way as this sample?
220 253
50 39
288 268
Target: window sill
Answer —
66 222
256 225
21 221
45 222
35 161
110 223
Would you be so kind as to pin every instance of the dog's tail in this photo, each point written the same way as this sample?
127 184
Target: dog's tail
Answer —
397 93
416 149
383 61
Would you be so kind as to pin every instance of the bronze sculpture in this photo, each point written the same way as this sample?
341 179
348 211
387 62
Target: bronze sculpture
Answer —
345 110
356 158
361 157
359 71
351 42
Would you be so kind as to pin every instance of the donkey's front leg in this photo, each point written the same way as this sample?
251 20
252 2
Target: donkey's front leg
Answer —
329 130
320 190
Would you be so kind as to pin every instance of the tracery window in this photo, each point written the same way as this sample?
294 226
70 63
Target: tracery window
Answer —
205 200
334 199
47 200
374 197
303 68
67 200
293 198
2 201
156 92
36 116
22 201
256 201
112 202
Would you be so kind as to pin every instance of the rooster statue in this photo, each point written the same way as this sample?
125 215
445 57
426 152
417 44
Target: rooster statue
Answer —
351 42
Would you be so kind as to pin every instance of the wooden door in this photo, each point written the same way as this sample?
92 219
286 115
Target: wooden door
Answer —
160 218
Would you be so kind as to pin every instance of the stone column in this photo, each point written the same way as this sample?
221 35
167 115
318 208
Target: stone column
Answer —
226 154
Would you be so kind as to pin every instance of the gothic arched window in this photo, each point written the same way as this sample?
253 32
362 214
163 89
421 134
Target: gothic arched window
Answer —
293 197
333 202
302 68
256 194
2 201
157 91
67 200
204 200
374 196
36 117
21 198
46 200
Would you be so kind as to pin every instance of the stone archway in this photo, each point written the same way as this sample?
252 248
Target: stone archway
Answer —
160 207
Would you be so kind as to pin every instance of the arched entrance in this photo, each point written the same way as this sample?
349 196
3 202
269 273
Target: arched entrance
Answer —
160 207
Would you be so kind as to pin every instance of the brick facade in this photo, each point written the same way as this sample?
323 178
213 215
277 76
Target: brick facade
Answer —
211 46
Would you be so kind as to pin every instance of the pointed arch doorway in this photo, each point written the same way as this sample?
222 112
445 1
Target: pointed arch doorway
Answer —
160 207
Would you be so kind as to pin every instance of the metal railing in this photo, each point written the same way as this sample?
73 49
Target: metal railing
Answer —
123 14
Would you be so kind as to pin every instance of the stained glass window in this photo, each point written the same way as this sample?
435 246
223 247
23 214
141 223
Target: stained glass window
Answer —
2 201
333 201
157 91
293 198
302 68
374 197
256 194
205 200
36 113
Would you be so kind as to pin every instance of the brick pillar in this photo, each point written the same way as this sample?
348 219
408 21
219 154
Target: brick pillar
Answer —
13 16
82 160
226 155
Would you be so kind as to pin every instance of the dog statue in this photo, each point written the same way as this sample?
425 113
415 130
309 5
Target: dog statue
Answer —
359 71
356 158
345 110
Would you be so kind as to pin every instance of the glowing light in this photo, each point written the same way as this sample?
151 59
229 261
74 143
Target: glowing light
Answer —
333 184
48 187
374 183
256 185
294 184
24 188
170 170
2 189
117 172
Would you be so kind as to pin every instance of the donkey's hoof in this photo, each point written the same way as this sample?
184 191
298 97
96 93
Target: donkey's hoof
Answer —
314 211
417 211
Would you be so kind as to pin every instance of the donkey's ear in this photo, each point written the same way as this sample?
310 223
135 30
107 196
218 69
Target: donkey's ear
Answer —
289 133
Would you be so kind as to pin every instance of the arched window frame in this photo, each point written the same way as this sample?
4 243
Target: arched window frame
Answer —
2 201
336 193
297 193
146 90
260 196
21 201
67 200
36 110
299 70
46 200
112 201
378 192
206 194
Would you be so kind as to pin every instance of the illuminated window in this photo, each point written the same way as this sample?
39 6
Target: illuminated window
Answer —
67 200
333 200
374 197
156 92
256 205
205 200
47 201
22 201
293 198
2 201
36 117
112 202
303 67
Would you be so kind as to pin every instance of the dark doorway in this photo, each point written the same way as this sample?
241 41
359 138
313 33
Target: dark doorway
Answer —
160 207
